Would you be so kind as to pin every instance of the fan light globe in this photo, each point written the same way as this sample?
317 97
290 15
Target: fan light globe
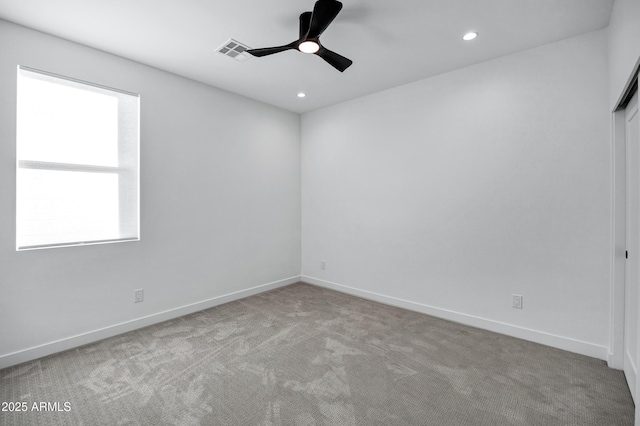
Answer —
470 36
309 47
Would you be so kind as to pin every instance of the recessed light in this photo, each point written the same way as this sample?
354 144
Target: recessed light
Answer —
470 36
301 95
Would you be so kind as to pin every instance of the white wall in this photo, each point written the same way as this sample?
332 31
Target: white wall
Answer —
624 46
220 207
450 194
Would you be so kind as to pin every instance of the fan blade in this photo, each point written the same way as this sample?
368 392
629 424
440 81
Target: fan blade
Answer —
271 50
324 12
339 62
305 21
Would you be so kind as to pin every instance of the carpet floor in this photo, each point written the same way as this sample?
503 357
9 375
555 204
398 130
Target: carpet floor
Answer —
303 355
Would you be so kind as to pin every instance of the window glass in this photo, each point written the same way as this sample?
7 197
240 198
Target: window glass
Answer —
77 162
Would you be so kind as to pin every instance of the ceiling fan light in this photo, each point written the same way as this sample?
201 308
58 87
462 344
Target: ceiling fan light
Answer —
308 47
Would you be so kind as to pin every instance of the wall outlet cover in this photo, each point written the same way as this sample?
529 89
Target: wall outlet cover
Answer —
517 301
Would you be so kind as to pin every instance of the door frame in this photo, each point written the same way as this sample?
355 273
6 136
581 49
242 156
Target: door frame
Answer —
615 357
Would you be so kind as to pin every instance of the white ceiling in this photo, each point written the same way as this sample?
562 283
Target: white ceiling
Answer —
390 42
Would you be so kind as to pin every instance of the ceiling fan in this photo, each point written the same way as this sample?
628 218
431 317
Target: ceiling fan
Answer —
312 25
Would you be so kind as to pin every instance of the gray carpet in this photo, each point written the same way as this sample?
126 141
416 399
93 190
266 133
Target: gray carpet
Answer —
302 355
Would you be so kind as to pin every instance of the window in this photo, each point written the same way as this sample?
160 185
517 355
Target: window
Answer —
77 162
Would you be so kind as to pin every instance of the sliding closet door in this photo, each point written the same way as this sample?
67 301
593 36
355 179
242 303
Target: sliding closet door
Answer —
632 136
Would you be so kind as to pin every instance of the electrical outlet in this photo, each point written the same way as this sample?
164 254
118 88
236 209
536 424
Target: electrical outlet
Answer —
517 301
323 265
138 295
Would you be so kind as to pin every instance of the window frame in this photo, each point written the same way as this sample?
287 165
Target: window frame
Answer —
128 205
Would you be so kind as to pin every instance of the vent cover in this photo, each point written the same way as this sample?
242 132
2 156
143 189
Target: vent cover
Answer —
234 49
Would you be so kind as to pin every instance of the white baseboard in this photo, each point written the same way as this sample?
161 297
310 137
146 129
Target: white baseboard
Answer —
39 351
614 360
560 342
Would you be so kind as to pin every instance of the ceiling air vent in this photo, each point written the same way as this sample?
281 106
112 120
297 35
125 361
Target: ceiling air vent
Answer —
234 49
